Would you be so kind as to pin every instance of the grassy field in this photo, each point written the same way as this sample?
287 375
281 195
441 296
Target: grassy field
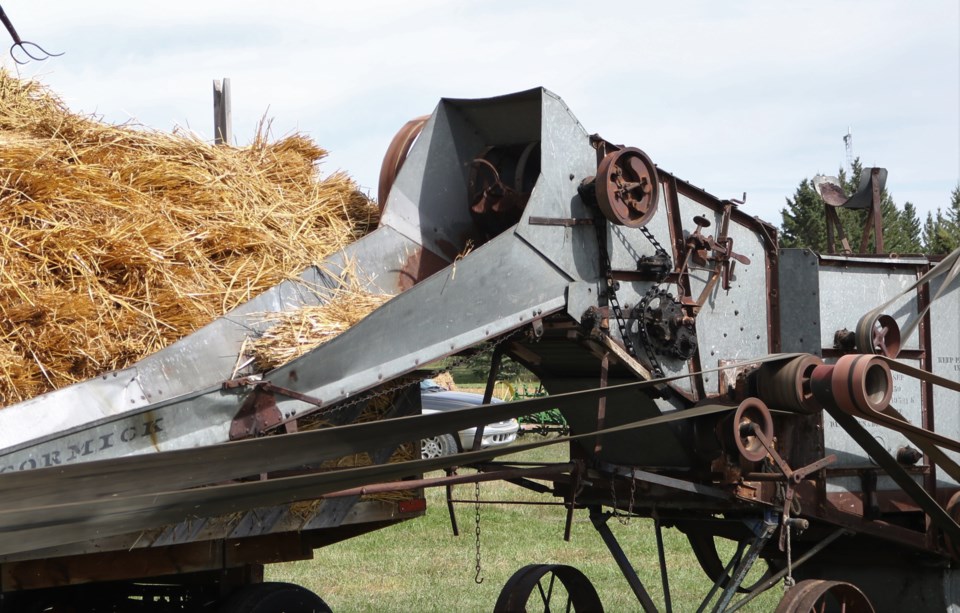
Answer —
419 566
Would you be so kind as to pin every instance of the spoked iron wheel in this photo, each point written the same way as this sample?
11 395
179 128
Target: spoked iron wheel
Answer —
548 588
819 596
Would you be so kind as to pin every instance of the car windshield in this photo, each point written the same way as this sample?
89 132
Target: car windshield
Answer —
429 385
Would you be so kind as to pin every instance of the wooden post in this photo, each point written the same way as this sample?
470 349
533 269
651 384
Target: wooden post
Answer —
222 113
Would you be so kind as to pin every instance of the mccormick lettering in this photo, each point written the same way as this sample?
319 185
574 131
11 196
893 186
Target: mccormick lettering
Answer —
89 447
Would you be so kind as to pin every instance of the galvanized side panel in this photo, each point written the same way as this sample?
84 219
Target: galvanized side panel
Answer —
945 362
202 420
427 203
567 158
800 302
848 291
732 325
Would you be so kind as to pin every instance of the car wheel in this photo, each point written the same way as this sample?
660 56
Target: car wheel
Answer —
438 446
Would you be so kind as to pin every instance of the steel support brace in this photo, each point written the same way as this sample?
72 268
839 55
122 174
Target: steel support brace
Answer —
773 579
765 531
661 554
451 511
888 463
599 520
602 402
495 360
724 577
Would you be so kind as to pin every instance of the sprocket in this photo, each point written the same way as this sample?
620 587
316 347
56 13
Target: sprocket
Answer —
664 326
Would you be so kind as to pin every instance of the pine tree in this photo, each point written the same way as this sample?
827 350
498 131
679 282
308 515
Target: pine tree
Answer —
936 236
805 225
951 220
909 235
803 221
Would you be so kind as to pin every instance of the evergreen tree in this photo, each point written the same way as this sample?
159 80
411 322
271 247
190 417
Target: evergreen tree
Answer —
803 221
936 235
952 218
805 225
908 236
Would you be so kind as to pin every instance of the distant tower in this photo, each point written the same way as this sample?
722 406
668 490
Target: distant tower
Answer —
848 143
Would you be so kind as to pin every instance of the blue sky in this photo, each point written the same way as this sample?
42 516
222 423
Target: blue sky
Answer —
740 96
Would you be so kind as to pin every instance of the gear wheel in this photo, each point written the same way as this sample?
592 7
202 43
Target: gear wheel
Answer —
663 325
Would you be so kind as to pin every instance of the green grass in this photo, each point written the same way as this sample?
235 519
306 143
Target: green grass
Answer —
419 566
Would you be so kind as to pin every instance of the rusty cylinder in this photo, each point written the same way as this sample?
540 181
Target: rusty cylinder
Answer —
857 383
785 386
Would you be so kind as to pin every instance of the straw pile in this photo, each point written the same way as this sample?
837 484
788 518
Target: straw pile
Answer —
294 333
117 240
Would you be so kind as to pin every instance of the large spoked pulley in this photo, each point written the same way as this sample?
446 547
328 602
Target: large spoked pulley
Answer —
548 587
820 596
627 187
396 155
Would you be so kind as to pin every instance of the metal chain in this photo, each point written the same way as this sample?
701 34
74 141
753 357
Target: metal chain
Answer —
655 368
641 310
613 495
600 223
653 241
623 518
788 581
477 578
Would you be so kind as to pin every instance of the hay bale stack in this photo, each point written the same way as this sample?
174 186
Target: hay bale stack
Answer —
117 240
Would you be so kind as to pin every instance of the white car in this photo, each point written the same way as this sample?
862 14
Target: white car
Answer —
436 399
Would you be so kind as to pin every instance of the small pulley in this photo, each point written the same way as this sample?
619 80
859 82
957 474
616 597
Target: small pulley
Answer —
879 335
627 187
750 412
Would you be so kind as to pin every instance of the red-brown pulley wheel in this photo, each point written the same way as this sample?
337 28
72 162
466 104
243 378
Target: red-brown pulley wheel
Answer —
752 411
628 189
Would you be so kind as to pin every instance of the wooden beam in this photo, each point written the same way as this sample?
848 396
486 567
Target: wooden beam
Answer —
222 113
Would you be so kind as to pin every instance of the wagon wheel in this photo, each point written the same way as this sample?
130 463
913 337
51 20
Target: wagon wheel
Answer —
705 549
555 587
820 596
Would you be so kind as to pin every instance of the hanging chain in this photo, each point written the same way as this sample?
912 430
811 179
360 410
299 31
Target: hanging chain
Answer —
477 578
788 581
623 518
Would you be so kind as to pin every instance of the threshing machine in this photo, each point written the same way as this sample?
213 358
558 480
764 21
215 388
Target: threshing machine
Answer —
801 405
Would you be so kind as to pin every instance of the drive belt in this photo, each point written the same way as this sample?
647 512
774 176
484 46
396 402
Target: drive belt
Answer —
34 528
